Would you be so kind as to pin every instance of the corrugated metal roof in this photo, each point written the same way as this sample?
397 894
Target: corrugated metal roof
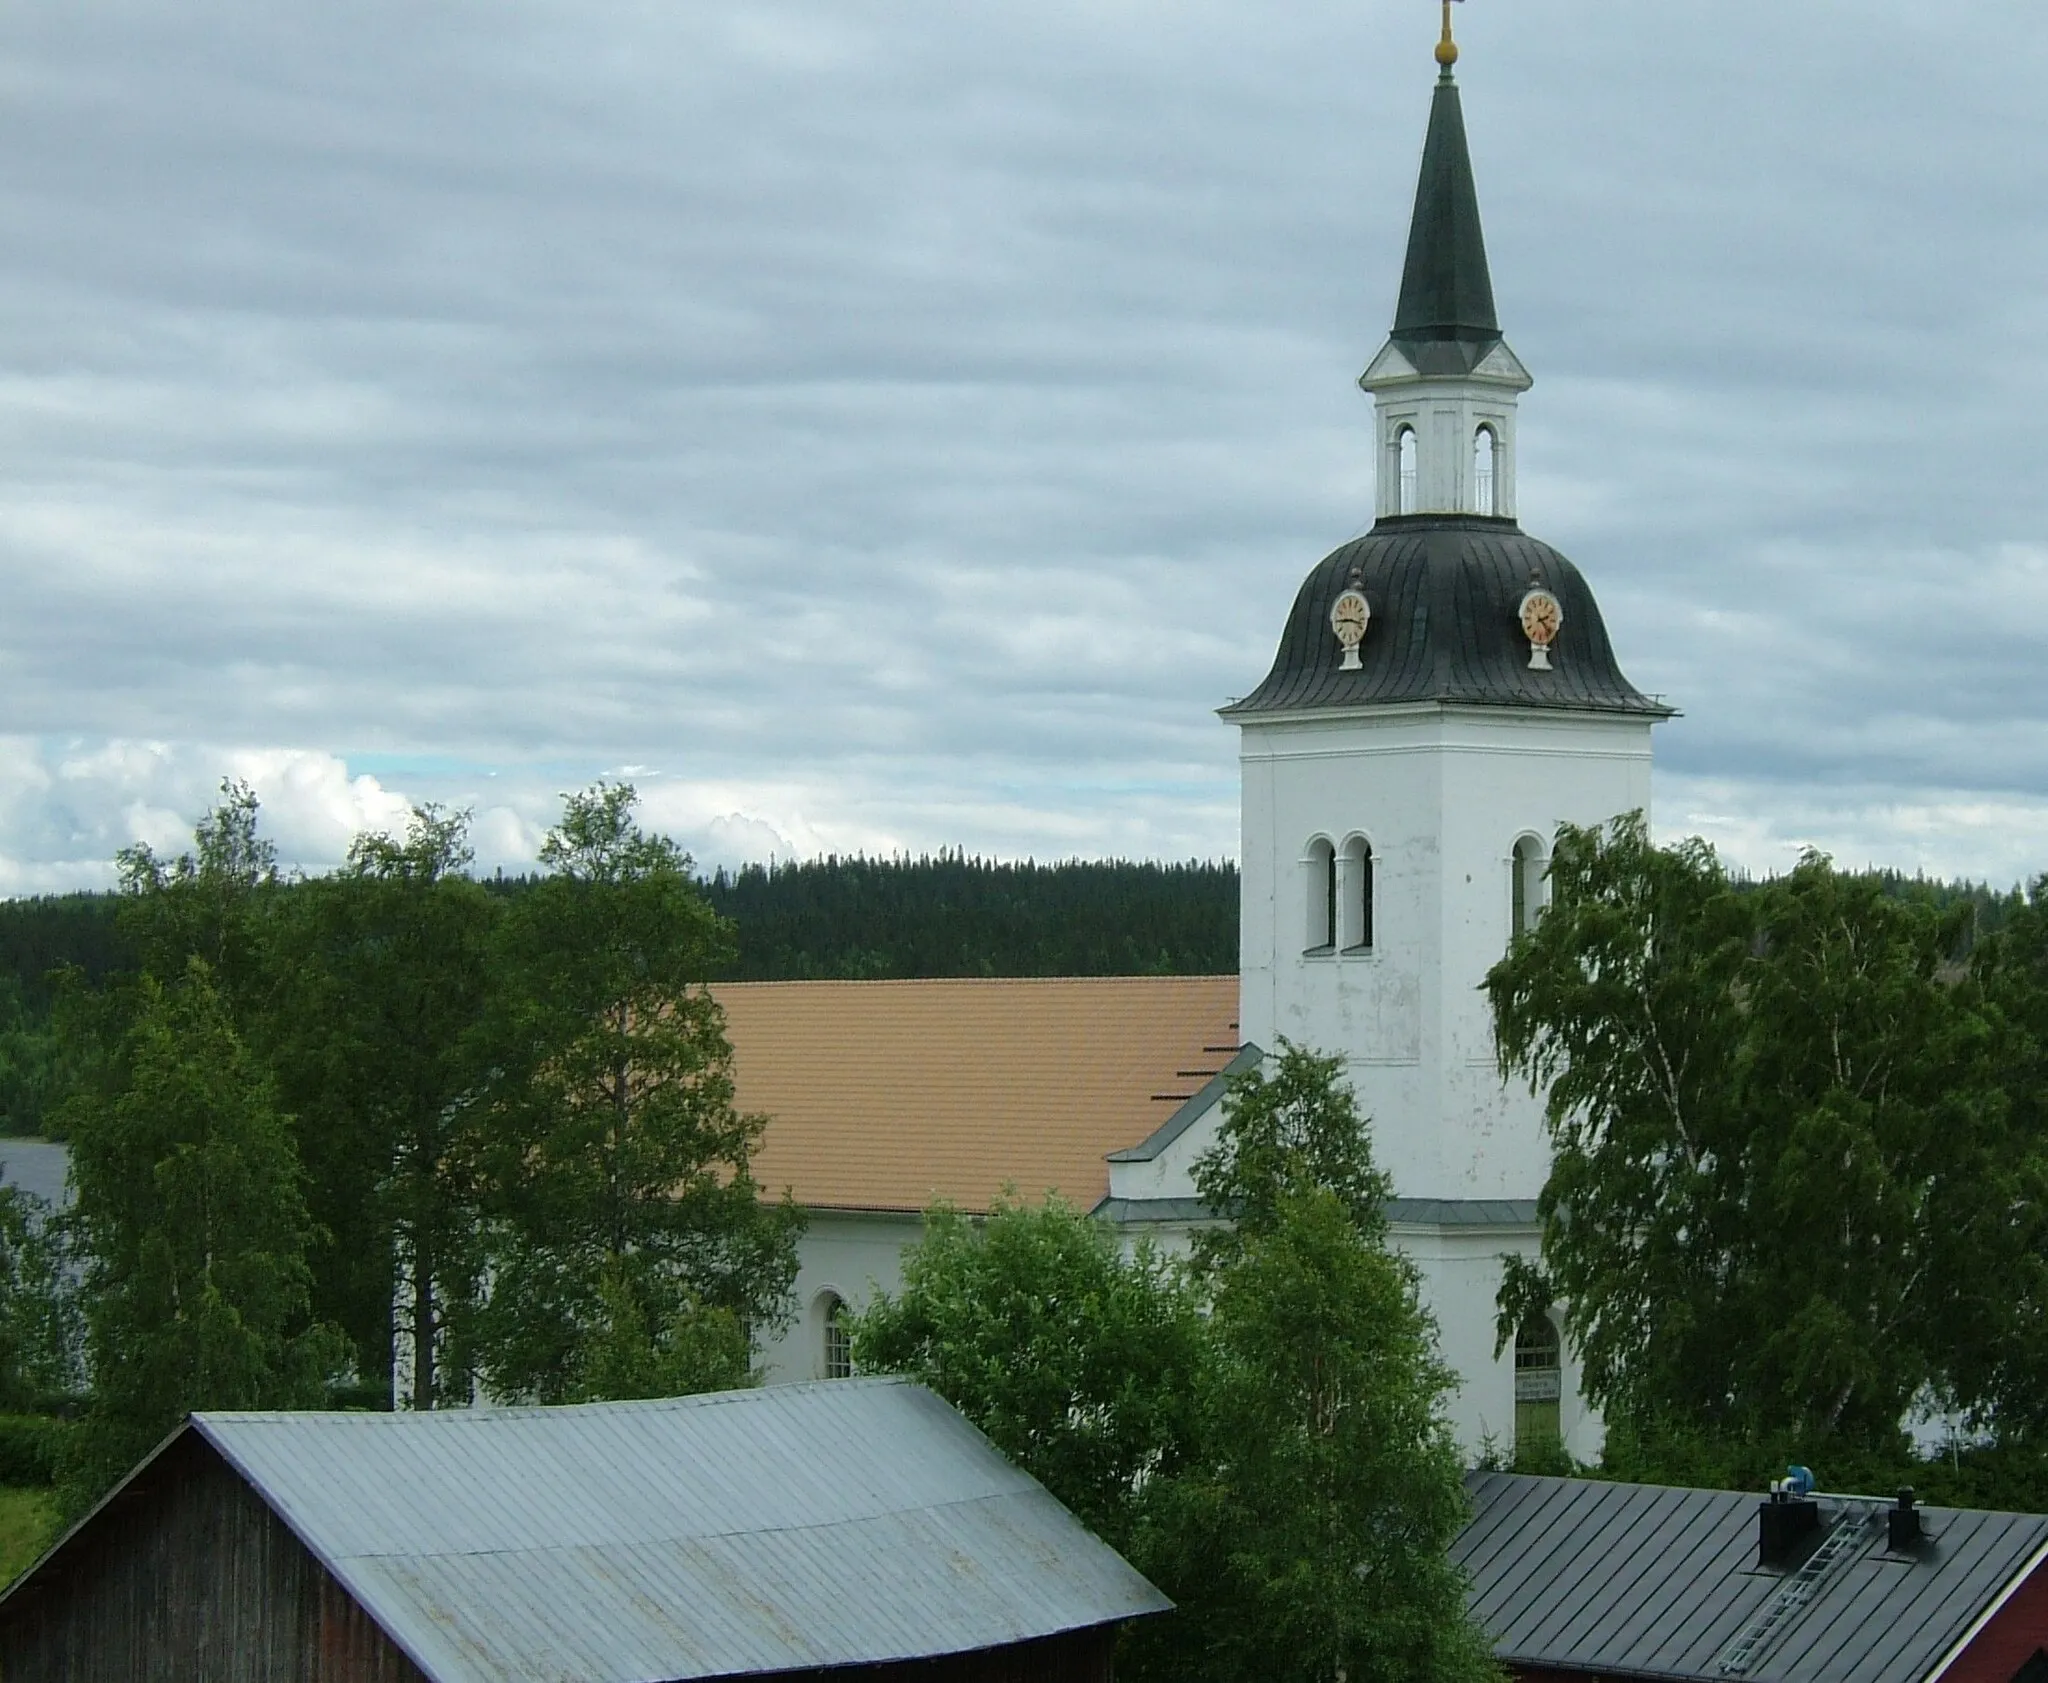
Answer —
1640 1580
892 1095
799 1526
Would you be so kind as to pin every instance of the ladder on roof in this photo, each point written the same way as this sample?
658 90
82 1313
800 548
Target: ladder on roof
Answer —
1840 1546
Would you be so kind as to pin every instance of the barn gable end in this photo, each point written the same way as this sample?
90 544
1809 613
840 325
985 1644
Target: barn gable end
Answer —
187 1573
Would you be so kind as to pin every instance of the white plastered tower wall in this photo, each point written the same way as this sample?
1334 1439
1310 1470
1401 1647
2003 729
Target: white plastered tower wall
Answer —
1443 794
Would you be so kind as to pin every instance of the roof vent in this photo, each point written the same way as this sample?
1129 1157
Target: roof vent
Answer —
1902 1525
1787 1523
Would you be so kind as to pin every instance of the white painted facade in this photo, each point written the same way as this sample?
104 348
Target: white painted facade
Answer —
845 1256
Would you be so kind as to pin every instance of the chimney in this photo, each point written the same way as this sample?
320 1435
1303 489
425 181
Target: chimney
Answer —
1902 1525
1786 1525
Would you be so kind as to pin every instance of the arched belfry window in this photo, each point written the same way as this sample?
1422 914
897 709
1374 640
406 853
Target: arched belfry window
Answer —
1539 1385
1355 932
1409 453
1526 868
1323 902
1485 471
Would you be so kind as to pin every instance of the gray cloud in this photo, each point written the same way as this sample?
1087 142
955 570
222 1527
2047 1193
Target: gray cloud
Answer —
887 424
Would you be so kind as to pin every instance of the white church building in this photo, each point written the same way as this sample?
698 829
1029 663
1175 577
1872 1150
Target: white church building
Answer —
1443 697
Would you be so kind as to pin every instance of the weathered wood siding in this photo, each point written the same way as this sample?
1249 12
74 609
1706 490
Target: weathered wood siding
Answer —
190 1578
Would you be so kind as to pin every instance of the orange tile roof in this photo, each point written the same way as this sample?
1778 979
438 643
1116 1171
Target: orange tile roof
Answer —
890 1095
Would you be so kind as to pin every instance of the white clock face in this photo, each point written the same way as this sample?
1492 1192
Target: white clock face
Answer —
1349 618
1542 617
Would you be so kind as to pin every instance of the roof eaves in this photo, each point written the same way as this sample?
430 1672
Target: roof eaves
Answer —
1991 1611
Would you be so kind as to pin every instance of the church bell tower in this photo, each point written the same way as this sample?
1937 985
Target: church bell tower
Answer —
1444 696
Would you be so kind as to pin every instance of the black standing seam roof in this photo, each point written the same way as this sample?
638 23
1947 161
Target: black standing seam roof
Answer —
1446 288
1644 1581
1445 594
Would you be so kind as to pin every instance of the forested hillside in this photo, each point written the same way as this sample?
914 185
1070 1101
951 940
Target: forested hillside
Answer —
951 915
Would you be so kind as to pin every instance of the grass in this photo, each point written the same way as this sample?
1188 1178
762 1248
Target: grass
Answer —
28 1525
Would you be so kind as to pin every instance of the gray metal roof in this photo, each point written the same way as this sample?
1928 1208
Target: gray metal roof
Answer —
756 1531
1192 1109
1402 1212
1640 1580
1445 592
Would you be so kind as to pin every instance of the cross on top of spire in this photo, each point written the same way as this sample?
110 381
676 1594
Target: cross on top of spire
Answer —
1447 48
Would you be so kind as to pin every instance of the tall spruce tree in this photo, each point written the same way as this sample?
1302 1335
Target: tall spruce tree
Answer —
190 1208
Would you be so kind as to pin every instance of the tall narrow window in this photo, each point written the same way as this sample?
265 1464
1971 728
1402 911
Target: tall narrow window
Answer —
1323 904
838 1363
1410 491
1539 1387
1525 871
1356 931
1485 465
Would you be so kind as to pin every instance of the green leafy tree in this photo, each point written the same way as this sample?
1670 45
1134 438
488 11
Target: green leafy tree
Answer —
190 1207
207 904
381 982
1308 1539
1078 1362
625 1165
1780 1157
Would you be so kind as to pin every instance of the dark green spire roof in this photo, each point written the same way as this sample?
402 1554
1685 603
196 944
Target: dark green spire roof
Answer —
1446 292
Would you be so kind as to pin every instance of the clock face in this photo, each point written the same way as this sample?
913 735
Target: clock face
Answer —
1542 617
1349 617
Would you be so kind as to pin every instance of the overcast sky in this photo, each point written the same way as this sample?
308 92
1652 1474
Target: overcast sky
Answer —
871 424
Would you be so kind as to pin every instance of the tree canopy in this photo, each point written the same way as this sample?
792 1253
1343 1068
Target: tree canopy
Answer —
1788 1195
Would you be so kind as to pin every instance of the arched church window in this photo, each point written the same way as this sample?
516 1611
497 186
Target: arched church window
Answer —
1525 870
1539 1386
1485 464
1357 883
838 1336
1409 452
1323 903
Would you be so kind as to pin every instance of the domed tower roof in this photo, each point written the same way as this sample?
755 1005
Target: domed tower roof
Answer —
1445 595
1446 570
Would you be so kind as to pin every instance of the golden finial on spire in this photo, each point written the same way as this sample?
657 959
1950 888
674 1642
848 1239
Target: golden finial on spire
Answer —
1447 48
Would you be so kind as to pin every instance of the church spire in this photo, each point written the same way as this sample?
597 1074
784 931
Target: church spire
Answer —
1446 291
1445 384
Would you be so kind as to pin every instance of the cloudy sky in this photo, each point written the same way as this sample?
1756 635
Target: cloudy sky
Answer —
877 424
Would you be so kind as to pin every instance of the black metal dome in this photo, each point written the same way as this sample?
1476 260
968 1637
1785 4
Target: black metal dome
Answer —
1445 593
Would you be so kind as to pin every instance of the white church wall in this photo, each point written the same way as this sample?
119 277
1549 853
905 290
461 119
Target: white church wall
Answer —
843 1254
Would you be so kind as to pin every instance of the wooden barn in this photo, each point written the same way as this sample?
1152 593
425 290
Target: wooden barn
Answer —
791 1532
1577 1580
